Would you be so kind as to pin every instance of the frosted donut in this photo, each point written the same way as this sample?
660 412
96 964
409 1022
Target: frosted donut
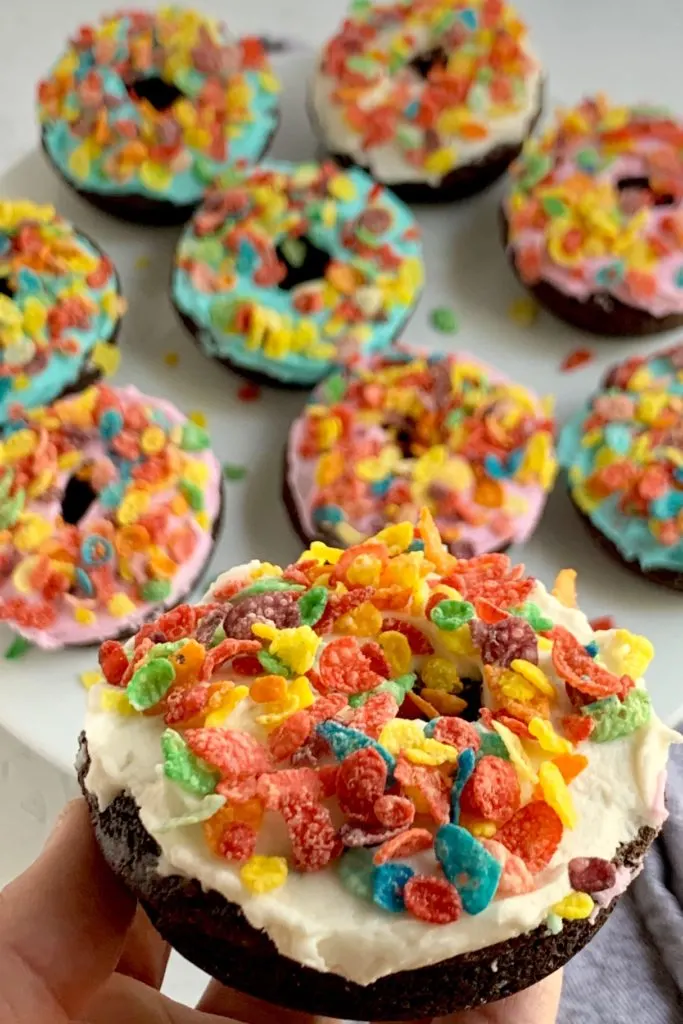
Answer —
110 502
288 269
594 218
408 429
275 782
143 109
623 453
433 97
60 308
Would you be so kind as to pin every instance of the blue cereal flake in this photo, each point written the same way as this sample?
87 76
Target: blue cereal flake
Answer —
491 744
466 763
357 873
389 881
468 866
328 514
592 649
343 741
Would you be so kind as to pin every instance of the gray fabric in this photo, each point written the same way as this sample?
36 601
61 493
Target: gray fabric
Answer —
632 971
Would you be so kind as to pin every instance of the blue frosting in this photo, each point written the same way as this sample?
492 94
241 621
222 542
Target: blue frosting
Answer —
295 367
60 370
630 533
247 141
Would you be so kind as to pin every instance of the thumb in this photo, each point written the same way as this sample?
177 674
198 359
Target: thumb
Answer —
62 924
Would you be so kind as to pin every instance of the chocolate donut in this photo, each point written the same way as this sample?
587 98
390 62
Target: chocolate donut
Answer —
144 109
285 778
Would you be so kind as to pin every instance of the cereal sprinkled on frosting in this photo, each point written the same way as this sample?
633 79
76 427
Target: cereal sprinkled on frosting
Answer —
156 104
59 305
399 432
107 503
286 693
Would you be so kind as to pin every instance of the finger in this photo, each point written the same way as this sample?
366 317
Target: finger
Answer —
145 955
125 999
63 922
536 1005
227 1002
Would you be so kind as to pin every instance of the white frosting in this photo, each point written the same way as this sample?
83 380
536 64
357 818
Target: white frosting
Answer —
315 921
388 162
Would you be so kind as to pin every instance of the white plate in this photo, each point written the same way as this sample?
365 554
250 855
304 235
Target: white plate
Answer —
41 698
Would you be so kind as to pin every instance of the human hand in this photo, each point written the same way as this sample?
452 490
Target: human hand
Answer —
73 948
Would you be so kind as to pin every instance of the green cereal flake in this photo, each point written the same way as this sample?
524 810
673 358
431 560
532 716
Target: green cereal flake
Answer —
155 590
614 718
491 744
193 494
184 767
150 683
356 872
274 665
266 585
444 320
194 438
312 605
232 471
450 615
206 809
18 648
534 616
335 387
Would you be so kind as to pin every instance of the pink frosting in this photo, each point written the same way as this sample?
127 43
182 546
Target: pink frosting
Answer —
66 630
304 491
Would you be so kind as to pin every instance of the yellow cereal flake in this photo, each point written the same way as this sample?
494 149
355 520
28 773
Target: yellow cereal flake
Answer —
263 874
547 738
534 675
116 702
575 907
556 793
228 704
565 587
518 755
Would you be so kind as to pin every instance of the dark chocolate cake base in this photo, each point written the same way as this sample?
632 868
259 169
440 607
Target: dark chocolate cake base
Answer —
601 313
663 577
139 209
214 935
460 183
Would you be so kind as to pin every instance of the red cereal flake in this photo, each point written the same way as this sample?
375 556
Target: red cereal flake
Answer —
340 604
177 624
314 839
236 754
392 599
371 718
533 833
576 358
376 659
238 841
458 733
327 707
516 878
433 900
113 661
603 622
275 788
286 739
578 728
223 652
246 665
360 782
491 577
575 665
224 591
139 655
238 792
413 840
492 792
344 668
487 611
327 776
249 392
417 641
394 812
431 785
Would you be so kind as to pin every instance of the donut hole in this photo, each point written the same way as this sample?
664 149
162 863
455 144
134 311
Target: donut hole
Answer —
156 90
78 497
302 260
423 63
6 288
637 191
